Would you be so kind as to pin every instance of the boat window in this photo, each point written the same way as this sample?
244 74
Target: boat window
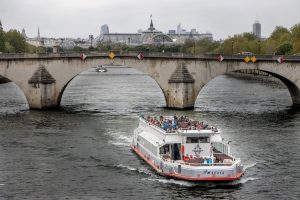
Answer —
197 140
164 149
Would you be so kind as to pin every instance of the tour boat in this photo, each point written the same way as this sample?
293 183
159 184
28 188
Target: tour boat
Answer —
179 147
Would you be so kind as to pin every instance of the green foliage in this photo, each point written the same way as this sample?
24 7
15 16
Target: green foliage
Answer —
246 42
279 32
284 49
30 48
16 40
199 46
9 48
2 41
295 32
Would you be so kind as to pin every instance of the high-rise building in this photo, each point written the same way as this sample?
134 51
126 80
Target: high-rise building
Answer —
179 30
104 29
257 29
38 35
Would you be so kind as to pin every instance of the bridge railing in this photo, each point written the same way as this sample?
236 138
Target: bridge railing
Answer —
4 56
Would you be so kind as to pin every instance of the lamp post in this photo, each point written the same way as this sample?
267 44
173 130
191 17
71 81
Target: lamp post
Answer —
163 44
91 37
258 47
194 46
232 43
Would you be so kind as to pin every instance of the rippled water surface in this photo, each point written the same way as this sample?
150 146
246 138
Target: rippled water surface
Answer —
82 150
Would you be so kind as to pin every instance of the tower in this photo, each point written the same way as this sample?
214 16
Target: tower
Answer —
151 28
24 33
257 29
38 36
104 29
179 29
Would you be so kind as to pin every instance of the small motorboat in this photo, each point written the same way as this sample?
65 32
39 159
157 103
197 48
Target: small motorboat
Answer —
101 69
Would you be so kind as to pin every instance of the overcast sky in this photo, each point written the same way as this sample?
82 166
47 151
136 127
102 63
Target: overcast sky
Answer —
80 18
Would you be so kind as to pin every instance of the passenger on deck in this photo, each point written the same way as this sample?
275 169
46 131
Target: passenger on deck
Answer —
186 157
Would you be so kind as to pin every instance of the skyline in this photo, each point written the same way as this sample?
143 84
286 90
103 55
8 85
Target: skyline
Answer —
65 18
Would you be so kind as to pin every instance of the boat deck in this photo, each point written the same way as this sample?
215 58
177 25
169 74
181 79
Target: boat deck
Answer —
221 159
173 123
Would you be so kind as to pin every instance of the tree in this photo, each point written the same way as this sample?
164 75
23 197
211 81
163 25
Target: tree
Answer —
278 32
16 40
2 41
295 32
284 49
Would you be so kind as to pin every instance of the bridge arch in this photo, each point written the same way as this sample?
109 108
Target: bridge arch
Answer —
17 97
291 86
216 69
106 77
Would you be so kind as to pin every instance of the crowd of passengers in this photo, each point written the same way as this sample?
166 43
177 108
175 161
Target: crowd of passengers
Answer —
172 123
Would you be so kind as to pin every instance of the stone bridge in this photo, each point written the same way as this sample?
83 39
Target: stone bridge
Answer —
43 77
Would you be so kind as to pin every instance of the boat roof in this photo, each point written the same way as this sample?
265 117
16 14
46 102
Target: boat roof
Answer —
196 132
151 138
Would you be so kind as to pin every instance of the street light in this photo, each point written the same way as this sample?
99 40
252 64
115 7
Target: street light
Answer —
258 47
232 43
194 46
163 44
91 38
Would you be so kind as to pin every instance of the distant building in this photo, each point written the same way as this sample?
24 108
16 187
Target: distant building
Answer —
153 36
38 35
257 29
179 30
67 44
24 33
194 31
104 29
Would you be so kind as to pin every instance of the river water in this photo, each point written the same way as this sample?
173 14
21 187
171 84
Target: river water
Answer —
82 150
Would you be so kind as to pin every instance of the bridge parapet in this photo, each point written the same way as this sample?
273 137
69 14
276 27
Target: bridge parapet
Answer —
167 55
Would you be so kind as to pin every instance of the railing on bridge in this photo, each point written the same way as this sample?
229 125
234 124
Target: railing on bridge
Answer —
13 56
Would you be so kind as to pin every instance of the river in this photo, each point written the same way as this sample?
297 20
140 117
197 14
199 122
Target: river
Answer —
81 151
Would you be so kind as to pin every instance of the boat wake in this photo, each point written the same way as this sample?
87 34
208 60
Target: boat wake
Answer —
118 143
250 165
139 170
171 181
210 185
245 180
118 139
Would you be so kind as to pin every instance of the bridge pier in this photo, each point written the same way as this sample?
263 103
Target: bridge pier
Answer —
181 94
41 90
